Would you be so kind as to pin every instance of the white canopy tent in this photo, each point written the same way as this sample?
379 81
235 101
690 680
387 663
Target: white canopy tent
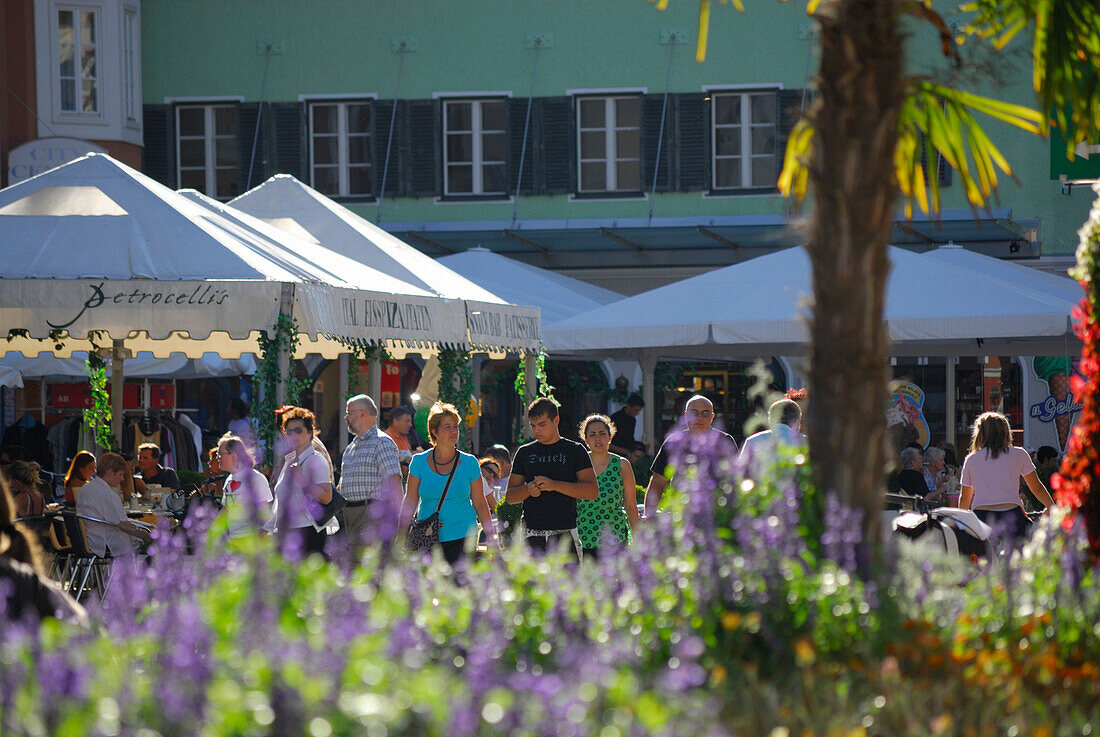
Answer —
94 250
947 302
295 208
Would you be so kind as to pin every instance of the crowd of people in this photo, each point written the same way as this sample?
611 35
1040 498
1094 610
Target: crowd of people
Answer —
578 497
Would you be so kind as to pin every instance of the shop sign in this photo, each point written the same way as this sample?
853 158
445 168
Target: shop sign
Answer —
78 396
162 396
906 413
391 384
43 154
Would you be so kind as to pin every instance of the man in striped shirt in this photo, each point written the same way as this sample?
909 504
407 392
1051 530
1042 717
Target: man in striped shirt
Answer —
369 469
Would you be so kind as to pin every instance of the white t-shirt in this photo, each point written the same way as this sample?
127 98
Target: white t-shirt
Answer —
96 499
760 448
290 500
241 489
996 481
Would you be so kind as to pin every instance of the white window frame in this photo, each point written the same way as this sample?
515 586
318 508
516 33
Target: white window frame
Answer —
746 127
131 68
476 131
210 138
78 71
342 160
611 157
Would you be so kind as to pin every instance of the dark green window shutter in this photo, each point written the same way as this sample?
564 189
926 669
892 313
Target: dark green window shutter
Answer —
158 155
517 117
288 121
692 142
556 145
381 113
422 176
651 135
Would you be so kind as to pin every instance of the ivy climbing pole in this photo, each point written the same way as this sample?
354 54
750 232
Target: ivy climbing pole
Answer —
281 341
456 386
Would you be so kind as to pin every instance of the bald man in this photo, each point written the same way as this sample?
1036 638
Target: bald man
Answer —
696 422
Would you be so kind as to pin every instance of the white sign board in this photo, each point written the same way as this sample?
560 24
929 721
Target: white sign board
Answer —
34 157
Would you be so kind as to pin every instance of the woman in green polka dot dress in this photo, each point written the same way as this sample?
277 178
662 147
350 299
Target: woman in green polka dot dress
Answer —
616 508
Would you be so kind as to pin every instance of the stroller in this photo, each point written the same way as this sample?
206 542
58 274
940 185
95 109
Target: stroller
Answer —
960 530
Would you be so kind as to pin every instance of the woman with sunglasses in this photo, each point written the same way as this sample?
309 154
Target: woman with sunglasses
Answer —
246 497
304 483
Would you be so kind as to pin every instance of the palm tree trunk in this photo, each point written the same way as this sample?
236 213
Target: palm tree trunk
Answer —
855 195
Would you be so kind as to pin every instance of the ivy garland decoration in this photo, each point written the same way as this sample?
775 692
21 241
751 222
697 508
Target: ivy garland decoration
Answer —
97 418
542 382
1077 483
283 340
456 386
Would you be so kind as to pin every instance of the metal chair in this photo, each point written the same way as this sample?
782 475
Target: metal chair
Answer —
85 564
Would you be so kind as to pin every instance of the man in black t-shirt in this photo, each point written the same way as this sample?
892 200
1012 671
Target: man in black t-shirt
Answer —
548 477
623 440
698 416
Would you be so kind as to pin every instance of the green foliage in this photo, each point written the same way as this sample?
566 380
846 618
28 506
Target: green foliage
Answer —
456 386
97 418
1065 56
283 341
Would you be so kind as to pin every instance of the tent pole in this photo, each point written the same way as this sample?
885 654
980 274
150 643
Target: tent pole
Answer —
649 396
374 382
343 369
118 356
951 399
286 307
530 391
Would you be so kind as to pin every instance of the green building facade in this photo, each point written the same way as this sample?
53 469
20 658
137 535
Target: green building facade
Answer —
579 136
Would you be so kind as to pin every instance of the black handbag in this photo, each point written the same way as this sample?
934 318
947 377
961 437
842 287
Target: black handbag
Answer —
323 513
424 535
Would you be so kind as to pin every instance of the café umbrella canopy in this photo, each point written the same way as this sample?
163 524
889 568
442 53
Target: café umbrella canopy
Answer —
298 209
95 249
94 254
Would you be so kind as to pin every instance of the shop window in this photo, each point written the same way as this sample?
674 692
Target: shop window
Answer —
78 72
475 147
745 133
340 148
609 136
207 149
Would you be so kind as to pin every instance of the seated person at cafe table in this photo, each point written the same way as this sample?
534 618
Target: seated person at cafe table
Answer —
152 472
112 534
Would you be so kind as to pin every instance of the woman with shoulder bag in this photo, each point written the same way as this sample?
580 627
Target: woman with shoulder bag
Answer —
302 488
446 482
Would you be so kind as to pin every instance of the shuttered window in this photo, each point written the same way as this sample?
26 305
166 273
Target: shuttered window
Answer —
340 148
609 139
78 68
207 149
745 133
475 147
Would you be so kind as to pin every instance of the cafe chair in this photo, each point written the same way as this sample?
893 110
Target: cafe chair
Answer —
61 550
88 570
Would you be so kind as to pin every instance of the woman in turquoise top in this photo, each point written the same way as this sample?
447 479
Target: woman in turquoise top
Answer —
428 472
616 508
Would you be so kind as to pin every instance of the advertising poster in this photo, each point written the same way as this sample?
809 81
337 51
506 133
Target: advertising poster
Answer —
905 420
1053 409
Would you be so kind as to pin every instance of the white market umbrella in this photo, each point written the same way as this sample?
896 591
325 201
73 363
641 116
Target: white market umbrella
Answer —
96 249
759 308
296 208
